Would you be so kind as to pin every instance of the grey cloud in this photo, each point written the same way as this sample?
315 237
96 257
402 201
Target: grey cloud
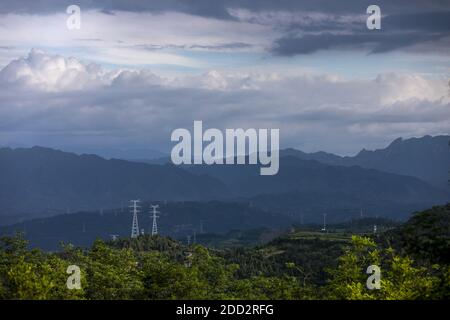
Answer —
234 45
438 21
403 24
218 47
214 9
402 113
375 42
219 8
397 31
141 109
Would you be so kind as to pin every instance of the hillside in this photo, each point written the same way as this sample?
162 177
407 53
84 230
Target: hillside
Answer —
177 219
302 263
425 236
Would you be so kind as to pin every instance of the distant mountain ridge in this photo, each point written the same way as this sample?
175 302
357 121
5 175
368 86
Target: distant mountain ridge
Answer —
427 158
41 181
37 182
311 188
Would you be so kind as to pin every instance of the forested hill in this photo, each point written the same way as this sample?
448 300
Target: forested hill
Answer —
425 236
176 219
301 264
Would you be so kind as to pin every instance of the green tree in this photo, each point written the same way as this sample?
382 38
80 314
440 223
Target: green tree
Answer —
112 273
400 279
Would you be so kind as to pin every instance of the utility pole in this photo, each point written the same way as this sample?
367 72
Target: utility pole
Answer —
135 224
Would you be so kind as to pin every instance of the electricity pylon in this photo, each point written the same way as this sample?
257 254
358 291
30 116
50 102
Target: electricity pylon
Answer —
154 217
135 224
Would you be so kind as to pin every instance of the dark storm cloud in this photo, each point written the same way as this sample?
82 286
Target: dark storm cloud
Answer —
404 23
397 31
377 43
219 8
438 21
206 8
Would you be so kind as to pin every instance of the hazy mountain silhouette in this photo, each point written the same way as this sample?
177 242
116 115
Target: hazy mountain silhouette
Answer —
427 158
312 188
40 182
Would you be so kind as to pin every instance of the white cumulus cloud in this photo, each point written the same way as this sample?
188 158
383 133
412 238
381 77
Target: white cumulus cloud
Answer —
49 99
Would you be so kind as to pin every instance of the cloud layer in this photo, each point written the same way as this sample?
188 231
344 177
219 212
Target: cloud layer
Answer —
55 100
166 32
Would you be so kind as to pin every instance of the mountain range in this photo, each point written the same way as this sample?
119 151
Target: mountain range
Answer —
408 175
41 181
427 158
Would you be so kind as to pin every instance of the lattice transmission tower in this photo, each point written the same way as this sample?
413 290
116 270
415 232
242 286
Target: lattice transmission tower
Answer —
135 224
154 217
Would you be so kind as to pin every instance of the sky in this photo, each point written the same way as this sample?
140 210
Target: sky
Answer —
137 70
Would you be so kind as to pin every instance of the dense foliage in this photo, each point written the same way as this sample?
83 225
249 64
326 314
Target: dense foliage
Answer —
299 265
426 236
